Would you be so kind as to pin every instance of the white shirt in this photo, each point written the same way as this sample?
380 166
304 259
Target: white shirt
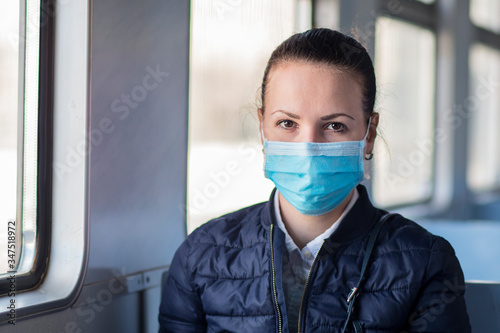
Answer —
297 263
311 249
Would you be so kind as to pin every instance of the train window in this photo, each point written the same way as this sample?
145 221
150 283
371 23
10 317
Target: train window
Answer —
483 171
230 43
24 220
21 147
50 213
404 154
484 14
9 122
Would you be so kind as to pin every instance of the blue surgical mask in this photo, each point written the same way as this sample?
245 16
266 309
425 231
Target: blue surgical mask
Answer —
314 177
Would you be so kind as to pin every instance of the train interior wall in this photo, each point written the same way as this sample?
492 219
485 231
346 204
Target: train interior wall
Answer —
137 176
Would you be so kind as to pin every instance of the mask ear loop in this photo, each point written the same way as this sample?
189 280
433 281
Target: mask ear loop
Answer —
367 157
370 155
262 132
264 140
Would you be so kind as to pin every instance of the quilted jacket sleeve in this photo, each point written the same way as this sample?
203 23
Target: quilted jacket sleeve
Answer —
440 306
181 308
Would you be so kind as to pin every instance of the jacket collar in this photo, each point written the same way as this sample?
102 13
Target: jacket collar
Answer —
358 221
355 225
268 217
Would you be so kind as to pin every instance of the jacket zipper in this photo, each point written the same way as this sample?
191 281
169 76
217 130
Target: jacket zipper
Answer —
275 294
305 288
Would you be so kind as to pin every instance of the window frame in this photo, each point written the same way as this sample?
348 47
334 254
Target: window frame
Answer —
490 40
63 263
416 21
422 15
33 277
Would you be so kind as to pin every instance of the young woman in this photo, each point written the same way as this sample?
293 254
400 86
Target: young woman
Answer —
317 257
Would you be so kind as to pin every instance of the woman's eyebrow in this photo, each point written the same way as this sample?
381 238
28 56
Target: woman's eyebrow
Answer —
336 115
328 117
289 114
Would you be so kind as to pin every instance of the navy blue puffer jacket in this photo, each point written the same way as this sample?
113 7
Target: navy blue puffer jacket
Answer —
227 277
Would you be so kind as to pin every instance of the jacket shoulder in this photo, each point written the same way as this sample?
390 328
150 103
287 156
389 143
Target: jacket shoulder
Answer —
241 228
406 235
221 247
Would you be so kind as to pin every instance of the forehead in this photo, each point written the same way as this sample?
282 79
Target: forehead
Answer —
314 87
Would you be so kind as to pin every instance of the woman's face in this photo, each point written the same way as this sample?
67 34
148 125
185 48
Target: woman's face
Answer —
307 102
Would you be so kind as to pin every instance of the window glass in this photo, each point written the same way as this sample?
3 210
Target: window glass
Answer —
404 152
30 135
483 171
9 113
486 14
19 58
231 41
303 18
326 14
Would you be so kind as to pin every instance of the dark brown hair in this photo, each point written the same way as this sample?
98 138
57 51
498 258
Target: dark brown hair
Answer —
330 47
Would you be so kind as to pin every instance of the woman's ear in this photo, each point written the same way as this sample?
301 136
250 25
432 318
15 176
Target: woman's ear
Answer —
372 133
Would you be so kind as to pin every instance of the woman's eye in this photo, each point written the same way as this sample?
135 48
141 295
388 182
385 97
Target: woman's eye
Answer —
338 127
286 123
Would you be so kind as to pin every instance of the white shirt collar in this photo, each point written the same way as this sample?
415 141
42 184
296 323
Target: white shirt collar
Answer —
311 249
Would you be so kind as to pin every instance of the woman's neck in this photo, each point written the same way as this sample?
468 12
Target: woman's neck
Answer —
304 228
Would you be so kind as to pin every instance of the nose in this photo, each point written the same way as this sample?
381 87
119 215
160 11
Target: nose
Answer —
310 134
